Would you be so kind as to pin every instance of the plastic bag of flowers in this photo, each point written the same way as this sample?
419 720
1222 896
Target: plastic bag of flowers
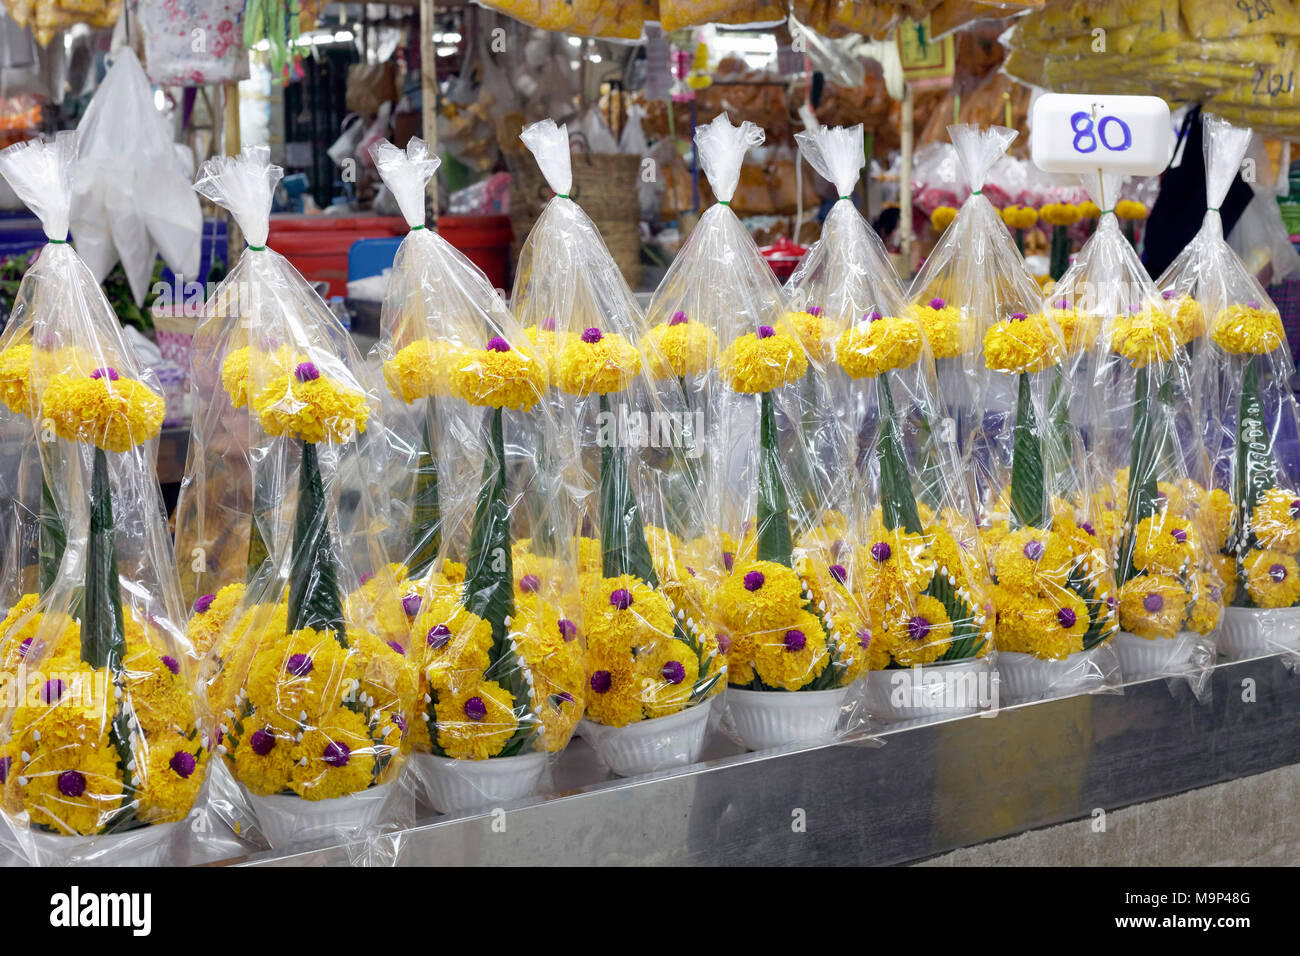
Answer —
774 546
653 662
486 588
1253 505
312 692
915 569
1051 578
103 745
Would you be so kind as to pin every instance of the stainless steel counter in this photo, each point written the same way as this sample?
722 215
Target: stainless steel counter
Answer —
904 796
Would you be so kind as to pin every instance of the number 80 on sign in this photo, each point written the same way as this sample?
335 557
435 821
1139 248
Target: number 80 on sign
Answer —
1081 133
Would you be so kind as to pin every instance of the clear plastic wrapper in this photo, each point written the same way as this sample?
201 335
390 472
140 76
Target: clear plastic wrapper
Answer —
914 567
653 660
282 525
1051 577
773 469
487 544
1252 507
103 745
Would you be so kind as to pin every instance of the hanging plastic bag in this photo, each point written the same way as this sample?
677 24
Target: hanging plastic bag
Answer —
916 569
1253 508
653 661
1050 575
103 745
493 623
281 524
133 199
773 471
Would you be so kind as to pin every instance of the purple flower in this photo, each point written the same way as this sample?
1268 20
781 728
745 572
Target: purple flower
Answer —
881 551
367 577
592 336
918 628
183 763
1063 304
1277 572
568 630
337 754
728 560
411 604
23 648
864 639
754 580
438 636
1179 535
1153 603
171 663
397 647
724 642
563 697
1294 510
71 783
400 721
678 318
262 742
601 681
475 709
202 604
306 372
766 331
836 547
1018 316
51 691
108 373
5 764
1088 528
621 599
529 583
498 344
1167 294
300 665
936 303
690 570
874 317
1067 617
548 324
674 672
795 640
838 573
1034 549
1252 304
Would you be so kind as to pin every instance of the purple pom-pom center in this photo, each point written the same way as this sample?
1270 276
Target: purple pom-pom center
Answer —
754 580
838 573
864 639
300 665
1089 528
183 763
5 764
1294 510
51 691
936 303
881 551
728 560
475 709
678 318
814 310
674 672
498 344
306 372
568 630
411 604
72 783
1153 603
592 336
602 681
262 742
1277 572
171 663
1179 535
337 754
529 583
24 647
621 598
108 373
1067 617
548 324
438 636
918 628
1018 316
795 640
202 604
1168 294
397 647
724 642
1034 550
766 331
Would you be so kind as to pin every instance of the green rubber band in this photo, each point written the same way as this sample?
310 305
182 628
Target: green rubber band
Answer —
977 192
1111 210
561 195
844 197
413 228
60 242
1212 209
724 202
257 248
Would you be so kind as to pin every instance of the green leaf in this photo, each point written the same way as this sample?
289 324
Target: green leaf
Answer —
426 516
622 535
1028 492
1254 466
774 542
897 501
53 537
1143 486
966 637
103 636
314 599
489 572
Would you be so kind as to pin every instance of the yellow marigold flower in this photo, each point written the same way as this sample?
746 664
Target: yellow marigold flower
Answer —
1276 520
792 654
1249 329
67 707
104 408
335 758
668 670
546 343
1089 210
475 721
548 642
613 691
759 595
386 672
942 218
173 771
158 686
895 564
236 369
451 640
72 791
1033 561
624 613
300 672
763 360
421 369
596 363
942 325
1051 628
590 556
679 347
1078 329
925 635
1020 217
500 376
1165 543
1059 214
1130 209
1186 314
1272 578
879 344
263 758
1205 610
1021 343
212 612
1144 336
558 711
16 389
1224 567
812 330
306 404
18 632
1152 606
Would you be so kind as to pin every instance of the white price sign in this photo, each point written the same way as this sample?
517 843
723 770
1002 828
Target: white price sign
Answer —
1081 133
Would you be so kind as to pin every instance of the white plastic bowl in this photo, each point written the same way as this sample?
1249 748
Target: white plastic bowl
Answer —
1140 658
933 691
651 745
1258 631
767 719
1025 677
144 846
457 786
286 820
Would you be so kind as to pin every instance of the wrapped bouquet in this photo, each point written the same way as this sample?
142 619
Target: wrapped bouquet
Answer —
103 744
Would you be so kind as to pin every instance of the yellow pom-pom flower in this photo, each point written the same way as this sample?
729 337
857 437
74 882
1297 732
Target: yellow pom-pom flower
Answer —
942 218
78 798
421 369
812 330
925 635
1276 520
499 376
1272 578
596 363
1165 543
476 720
879 344
263 758
335 758
1021 343
1144 336
16 365
1078 328
1186 314
793 654
613 691
668 670
763 360
758 595
942 325
1020 217
1089 209
1059 214
1033 561
236 369
1130 209
173 774
1248 329
679 347
307 405
1152 606
105 409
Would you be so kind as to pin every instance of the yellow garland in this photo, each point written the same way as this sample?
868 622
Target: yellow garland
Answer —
1249 329
314 409
500 376
762 361
880 344
596 362
1021 343
115 414
679 348
421 369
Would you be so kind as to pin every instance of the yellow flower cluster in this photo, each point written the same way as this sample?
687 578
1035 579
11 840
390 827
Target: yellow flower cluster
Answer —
500 376
812 330
236 369
1089 210
1186 314
1130 209
421 369
1248 329
596 363
1144 336
1020 217
942 324
942 218
763 360
105 409
1078 329
879 344
1059 214
1269 565
305 404
1022 343
17 363
679 347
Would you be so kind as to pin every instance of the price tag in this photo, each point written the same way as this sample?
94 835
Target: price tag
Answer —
1081 133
